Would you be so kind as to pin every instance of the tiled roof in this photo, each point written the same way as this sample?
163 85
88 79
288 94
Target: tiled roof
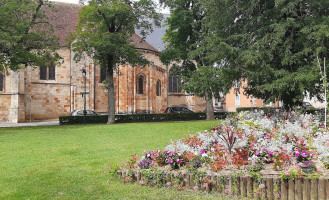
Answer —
64 19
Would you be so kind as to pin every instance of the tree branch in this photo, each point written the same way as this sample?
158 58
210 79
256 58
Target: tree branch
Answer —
34 16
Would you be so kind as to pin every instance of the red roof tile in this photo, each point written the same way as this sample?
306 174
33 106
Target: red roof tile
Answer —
65 20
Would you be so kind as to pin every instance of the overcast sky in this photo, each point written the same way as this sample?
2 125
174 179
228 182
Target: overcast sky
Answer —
77 1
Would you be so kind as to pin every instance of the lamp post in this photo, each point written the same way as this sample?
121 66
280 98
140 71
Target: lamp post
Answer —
84 94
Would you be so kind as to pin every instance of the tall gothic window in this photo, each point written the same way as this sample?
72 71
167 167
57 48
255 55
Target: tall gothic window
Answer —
48 72
174 84
103 74
1 82
140 84
158 88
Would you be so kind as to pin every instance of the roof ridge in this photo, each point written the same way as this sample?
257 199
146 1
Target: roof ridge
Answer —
65 21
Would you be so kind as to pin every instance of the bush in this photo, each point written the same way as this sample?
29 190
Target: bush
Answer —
265 109
273 110
102 119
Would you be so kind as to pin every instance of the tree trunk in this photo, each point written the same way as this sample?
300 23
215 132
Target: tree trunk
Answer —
209 106
111 95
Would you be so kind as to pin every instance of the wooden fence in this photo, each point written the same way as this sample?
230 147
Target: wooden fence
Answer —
270 188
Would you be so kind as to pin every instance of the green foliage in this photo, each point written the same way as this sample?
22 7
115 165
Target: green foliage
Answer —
273 110
292 174
154 177
65 120
256 168
273 44
265 109
187 50
26 37
104 32
257 176
207 78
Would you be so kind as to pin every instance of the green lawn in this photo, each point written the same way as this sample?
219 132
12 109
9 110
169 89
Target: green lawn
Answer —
67 162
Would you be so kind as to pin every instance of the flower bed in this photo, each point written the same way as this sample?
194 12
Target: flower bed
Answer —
251 144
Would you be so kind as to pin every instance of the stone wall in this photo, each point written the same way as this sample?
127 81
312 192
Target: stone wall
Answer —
125 82
26 96
5 100
194 103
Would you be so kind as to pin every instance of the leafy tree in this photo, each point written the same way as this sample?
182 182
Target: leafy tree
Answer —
104 32
26 38
208 81
273 44
187 49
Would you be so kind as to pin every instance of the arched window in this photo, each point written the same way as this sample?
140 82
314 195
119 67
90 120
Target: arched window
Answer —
140 84
158 89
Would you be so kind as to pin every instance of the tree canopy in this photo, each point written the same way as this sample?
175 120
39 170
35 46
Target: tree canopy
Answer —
104 32
26 38
187 50
273 44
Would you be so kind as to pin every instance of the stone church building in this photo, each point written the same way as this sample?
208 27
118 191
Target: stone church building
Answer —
48 92
40 93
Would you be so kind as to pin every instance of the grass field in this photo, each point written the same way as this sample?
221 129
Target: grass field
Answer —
67 162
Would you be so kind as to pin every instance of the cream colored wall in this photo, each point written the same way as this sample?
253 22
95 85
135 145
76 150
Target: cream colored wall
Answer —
245 101
193 103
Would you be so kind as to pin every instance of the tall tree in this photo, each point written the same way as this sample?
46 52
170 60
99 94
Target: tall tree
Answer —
26 38
104 32
273 43
187 49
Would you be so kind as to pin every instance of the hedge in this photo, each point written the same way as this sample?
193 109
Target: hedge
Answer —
265 109
100 119
273 109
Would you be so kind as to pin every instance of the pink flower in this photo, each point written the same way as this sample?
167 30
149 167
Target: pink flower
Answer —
258 192
270 152
227 191
262 186
169 184
179 160
156 186
170 160
297 154
202 151
176 174
195 188
304 153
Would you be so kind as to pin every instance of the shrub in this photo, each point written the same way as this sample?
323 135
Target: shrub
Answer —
102 119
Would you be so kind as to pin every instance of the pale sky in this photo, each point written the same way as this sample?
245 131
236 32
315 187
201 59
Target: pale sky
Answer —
77 1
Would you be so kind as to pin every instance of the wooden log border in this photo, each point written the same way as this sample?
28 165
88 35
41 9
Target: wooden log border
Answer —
271 188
